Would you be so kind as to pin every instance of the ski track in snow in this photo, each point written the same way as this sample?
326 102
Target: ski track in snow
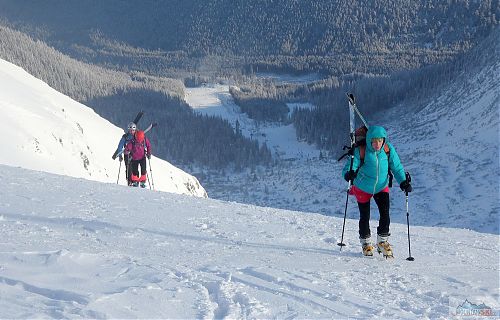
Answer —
77 249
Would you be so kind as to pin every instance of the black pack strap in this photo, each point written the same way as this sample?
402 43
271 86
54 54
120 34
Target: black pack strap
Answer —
350 152
343 156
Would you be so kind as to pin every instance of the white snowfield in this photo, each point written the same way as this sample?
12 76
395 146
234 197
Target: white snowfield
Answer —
74 248
45 130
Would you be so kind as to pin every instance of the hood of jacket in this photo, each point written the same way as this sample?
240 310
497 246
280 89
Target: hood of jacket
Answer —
375 132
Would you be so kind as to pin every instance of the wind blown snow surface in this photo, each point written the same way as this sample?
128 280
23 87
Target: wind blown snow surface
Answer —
74 248
46 130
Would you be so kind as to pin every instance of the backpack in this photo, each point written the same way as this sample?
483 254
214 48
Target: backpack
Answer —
360 142
136 146
135 141
140 144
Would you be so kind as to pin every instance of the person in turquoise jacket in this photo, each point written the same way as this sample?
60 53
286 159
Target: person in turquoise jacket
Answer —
370 178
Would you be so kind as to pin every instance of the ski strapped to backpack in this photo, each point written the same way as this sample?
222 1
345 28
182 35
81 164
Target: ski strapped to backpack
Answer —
138 117
151 126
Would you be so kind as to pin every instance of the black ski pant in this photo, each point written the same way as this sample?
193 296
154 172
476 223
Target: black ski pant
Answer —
382 201
135 167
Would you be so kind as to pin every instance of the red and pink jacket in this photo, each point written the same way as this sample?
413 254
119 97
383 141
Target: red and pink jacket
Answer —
138 150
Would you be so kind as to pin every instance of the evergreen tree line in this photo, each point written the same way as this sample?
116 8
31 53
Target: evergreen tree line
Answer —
78 80
260 108
196 70
182 135
337 37
322 28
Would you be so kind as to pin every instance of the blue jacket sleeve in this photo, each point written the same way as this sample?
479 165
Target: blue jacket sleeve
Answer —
121 145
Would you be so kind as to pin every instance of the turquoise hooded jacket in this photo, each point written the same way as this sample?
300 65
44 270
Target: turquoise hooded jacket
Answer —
372 176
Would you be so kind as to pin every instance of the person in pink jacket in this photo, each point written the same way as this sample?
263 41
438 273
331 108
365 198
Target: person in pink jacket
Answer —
138 149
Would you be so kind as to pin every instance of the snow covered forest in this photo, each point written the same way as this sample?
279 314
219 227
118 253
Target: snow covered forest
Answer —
384 35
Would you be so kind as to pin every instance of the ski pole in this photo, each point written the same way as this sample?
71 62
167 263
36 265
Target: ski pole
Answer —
352 137
151 171
410 258
149 183
129 159
119 169
342 244
351 154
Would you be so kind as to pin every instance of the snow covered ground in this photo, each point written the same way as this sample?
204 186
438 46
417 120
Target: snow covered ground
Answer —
46 130
74 248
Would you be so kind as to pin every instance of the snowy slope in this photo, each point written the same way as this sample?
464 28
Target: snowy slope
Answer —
450 145
46 130
74 248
